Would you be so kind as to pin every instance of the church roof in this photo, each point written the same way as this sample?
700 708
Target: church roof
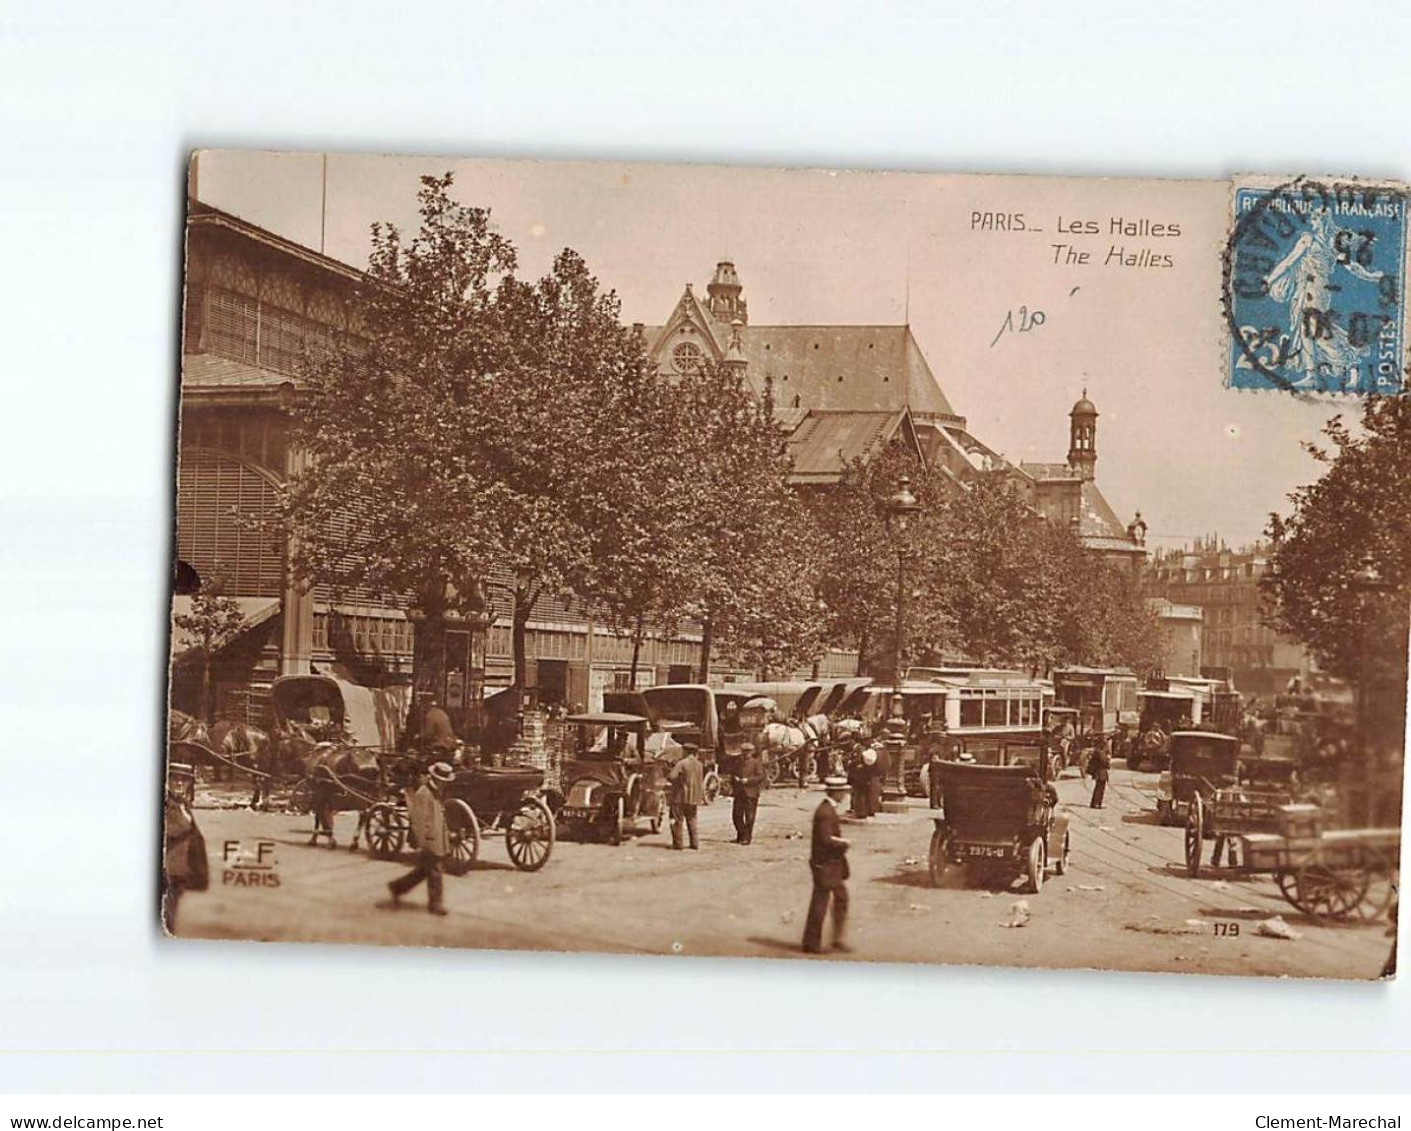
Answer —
825 442
1049 470
832 368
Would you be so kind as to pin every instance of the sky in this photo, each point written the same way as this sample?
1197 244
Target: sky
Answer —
1144 337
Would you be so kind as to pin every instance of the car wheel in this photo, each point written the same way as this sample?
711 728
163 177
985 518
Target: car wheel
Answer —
1038 861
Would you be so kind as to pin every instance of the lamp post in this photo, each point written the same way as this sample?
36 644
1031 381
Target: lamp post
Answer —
1367 582
899 511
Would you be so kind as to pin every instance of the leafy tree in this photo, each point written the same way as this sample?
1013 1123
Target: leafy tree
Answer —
213 622
1358 511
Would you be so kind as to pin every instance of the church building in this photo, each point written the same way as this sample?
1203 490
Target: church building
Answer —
843 392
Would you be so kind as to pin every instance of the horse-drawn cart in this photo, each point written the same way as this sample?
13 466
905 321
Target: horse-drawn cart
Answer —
1328 874
479 801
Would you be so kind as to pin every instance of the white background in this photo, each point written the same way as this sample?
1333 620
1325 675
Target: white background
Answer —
101 101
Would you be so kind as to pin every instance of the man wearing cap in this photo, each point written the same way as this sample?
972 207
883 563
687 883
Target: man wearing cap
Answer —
745 785
427 816
687 794
828 861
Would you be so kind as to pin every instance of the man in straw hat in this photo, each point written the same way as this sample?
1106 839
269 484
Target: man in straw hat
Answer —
828 861
426 814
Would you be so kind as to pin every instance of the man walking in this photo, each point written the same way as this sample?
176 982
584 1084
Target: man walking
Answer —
1099 765
427 815
746 784
687 794
828 861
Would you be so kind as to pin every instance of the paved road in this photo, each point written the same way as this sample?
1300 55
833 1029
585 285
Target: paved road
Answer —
1126 902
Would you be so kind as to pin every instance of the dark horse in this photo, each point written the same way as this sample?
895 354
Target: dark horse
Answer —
340 778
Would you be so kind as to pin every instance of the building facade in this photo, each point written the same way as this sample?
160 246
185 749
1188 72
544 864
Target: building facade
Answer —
1181 628
1224 584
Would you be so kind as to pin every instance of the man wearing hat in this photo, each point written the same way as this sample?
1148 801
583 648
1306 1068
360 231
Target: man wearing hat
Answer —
828 861
745 786
427 815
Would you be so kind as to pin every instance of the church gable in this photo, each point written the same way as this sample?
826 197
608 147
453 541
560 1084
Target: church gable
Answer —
690 333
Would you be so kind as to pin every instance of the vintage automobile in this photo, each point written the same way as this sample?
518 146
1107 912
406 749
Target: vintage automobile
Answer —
1001 821
1201 761
612 779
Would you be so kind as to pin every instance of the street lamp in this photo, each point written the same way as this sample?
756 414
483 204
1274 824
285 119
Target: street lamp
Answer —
899 511
1367 582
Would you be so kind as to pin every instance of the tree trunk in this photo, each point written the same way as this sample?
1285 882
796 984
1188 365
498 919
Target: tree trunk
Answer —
636 653
208 707
863 667
524 601
707 641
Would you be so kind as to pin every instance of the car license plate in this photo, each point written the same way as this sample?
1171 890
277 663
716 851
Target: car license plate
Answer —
574 813
991 850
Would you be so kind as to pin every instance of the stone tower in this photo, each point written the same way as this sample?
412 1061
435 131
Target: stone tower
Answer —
724 300
1082 437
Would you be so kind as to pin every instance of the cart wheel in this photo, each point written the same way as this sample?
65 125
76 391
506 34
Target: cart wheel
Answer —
1055 766
301 798
1195 835
1288 884
1038 861
1061 868
712 791
386 831
1383 881
771 771
463 831
940 856
1329 893
529 836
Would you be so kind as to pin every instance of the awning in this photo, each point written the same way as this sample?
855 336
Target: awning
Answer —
255 610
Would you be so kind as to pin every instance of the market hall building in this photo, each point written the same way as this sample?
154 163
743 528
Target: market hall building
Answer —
256 302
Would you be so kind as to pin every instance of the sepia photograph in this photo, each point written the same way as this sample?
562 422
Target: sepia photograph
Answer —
821 565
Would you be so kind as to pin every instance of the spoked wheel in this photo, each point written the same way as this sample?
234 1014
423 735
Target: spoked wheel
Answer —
529 837
940 856
1328 893
712 791
463 831
617 828
387 829
301 798
1061 868
1195 835
1383 882
771 771
1038 862
1055 766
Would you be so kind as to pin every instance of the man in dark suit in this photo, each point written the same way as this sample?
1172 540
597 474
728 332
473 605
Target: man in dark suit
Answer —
1099 765
828 861
745 787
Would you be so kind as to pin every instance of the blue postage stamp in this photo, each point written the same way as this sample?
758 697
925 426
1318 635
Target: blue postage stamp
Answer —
1314 287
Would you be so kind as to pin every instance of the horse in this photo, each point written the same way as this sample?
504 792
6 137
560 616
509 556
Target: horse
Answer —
782 742
341 778
240 746
182 727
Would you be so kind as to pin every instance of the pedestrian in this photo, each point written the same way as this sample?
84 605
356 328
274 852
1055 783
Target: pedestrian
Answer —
1099 764
426 813
881 771
746 784
184 864
828 861
866 774
687 794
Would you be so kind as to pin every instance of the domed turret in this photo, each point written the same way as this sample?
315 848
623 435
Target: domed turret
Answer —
1082 437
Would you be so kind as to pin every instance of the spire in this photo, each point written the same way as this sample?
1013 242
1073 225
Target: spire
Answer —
725 300
735 352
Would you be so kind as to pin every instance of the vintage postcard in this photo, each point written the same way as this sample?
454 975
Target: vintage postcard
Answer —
820 565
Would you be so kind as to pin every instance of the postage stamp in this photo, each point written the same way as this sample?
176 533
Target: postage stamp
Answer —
1314 287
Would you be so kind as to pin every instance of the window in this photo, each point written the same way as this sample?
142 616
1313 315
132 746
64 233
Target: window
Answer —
686 357
971 712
